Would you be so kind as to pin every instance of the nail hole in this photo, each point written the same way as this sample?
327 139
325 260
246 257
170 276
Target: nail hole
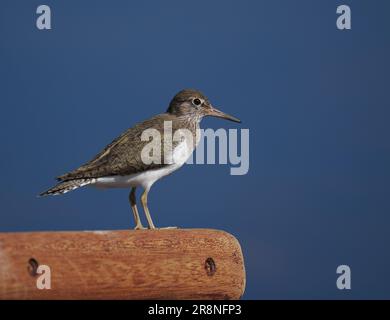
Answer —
210 266
32 267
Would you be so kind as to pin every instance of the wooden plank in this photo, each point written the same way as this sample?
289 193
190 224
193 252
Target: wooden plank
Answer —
126 264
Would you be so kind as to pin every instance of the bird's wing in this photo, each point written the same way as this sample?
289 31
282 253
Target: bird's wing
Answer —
123 155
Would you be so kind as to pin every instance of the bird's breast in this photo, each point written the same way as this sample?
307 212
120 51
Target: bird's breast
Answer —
183 151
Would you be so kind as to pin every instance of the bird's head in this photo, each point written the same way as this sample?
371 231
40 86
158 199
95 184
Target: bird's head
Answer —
193 103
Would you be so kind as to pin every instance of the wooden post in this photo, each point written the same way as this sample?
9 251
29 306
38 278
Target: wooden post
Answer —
128 264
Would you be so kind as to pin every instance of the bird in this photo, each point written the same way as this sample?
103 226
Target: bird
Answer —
121 164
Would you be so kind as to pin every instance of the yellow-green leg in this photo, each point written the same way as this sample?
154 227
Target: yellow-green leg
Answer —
144 201
132 199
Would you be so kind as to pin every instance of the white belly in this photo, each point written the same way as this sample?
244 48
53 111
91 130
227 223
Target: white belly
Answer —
146 179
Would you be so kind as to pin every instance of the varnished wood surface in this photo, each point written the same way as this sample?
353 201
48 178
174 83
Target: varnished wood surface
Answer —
126 264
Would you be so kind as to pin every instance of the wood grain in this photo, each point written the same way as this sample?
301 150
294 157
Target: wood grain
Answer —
128 264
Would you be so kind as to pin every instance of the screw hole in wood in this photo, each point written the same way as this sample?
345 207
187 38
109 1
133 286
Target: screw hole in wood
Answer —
32 267
210 266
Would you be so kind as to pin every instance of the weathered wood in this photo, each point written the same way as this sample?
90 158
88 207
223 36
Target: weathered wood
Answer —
142 264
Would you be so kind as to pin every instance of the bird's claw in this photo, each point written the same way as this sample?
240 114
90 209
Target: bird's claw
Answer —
167 228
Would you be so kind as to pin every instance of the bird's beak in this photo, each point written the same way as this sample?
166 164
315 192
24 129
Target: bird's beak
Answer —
213 112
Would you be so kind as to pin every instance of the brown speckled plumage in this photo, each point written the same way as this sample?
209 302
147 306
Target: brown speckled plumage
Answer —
122 157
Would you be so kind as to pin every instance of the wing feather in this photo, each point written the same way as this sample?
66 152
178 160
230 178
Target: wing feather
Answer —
123 155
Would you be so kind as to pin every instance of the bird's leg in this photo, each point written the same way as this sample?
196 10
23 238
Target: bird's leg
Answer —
132 199
144 201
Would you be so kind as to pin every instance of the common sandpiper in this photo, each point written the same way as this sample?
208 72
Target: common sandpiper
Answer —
122 163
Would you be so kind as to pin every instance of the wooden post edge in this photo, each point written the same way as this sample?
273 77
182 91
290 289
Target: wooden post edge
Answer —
121 264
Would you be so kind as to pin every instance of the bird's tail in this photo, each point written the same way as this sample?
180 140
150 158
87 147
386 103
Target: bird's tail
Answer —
66 186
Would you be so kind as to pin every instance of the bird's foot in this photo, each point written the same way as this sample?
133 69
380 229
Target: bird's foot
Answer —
164 228
168 228
139 227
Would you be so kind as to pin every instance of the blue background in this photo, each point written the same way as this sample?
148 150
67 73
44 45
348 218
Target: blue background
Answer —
316 101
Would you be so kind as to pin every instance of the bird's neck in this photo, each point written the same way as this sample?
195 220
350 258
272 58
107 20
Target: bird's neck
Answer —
189 123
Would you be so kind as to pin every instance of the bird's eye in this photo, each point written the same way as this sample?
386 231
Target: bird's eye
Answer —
197 102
